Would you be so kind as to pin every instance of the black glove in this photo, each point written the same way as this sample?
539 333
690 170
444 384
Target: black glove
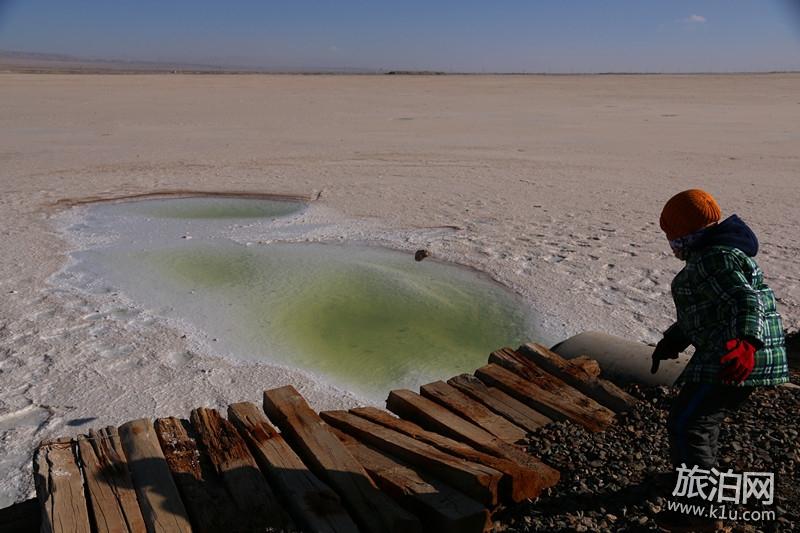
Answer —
673 343
664 350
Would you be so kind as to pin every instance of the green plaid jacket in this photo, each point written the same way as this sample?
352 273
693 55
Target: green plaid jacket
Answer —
720 295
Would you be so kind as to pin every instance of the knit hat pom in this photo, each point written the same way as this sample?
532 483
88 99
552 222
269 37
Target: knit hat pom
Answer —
687 212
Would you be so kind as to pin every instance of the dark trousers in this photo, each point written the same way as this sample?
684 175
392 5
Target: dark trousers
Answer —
695 418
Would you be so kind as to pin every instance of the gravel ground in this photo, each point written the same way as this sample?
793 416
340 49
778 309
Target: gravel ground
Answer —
610 480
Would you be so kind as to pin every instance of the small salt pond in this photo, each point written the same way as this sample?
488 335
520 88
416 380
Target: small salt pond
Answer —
204 208
366 319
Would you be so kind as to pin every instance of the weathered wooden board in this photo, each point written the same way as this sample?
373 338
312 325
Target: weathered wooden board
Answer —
430 415
231 458
478 481
600 390
312 504
109 486
412 406
209 506
161 505
440 507
477 413
500 402
327 457
59 487
590 366
518 482
543 392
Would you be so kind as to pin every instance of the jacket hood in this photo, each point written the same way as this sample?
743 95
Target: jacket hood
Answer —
731 232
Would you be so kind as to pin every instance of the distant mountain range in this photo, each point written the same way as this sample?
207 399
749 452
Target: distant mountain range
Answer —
33 62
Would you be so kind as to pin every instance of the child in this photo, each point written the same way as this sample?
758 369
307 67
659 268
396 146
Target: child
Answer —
728 313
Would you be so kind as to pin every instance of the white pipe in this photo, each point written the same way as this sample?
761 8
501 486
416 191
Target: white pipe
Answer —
621 360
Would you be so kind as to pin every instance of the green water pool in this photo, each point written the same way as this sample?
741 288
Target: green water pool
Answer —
364 318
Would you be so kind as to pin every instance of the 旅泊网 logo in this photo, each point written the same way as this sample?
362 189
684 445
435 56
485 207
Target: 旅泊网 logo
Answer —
725 487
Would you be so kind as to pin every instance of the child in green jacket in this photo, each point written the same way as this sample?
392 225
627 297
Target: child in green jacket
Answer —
727 312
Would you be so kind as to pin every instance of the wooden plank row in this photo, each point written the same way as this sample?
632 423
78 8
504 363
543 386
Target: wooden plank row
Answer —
521 378
159 499
327 457
440 507
465 437
602 391
111 496
59 488
474 411
411 406
312 503
518 482
478 481
500 402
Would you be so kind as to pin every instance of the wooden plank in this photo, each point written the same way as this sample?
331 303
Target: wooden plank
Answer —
59 488
590 366
112 498
159 500
518 482
600 390
327 457
430 415
549 394
475 412
476 480
500 402
440 507
312 503
208 504
245 483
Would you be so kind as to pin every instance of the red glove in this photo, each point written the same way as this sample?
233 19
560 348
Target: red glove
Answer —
738 363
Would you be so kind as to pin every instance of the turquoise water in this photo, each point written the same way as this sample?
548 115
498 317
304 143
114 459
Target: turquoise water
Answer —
366 319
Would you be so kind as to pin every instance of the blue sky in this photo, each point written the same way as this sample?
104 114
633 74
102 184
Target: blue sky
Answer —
463 35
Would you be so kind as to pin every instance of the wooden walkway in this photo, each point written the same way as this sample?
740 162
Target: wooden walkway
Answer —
442 460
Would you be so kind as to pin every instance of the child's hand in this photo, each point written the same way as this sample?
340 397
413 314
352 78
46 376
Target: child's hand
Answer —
664 350
738 363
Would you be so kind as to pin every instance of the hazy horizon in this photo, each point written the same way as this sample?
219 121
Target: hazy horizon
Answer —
469 36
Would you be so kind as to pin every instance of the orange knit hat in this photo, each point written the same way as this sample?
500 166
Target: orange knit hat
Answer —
687 212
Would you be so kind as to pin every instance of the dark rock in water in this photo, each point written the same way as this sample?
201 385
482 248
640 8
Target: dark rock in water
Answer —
421 254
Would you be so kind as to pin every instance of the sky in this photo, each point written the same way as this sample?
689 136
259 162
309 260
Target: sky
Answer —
455 36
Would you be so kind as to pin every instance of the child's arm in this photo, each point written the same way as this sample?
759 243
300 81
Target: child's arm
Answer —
676 338
723 279
674 341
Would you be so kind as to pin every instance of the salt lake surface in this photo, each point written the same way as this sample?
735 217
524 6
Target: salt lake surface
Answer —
366 319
